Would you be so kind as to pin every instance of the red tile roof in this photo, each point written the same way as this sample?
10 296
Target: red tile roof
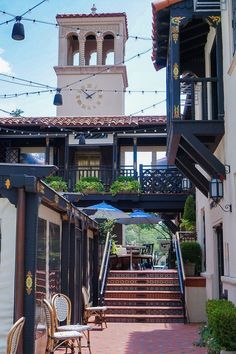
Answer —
86 122
157 6
112 14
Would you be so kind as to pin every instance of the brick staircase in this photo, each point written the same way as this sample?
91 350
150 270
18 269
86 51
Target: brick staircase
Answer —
143 296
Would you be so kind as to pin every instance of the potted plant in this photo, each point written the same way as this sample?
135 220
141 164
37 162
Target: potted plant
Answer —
57 183
188 221
125 184
192 257
88 185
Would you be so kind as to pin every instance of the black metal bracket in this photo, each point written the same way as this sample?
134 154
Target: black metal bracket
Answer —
227 208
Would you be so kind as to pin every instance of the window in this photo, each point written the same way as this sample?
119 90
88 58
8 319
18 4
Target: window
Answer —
54 258
234 24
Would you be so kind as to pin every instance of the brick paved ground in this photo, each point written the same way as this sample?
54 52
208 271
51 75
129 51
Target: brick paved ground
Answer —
139 338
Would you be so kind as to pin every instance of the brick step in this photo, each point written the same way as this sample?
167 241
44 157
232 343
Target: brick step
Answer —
137 280
144 273
144 319
143 294
142 302
142 287
145 310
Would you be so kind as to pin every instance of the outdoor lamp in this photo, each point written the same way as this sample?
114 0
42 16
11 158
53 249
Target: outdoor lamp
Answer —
216 189
58 98
81 138
216 193
18 32
185 184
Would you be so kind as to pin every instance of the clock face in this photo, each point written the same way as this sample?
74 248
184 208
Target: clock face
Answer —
89 97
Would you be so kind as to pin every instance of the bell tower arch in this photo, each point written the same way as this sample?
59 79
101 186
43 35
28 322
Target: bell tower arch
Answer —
91 72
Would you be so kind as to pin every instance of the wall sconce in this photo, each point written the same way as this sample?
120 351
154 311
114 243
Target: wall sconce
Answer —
217 192
186 184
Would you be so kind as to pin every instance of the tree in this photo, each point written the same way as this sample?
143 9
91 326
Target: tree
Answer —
188 222
16 113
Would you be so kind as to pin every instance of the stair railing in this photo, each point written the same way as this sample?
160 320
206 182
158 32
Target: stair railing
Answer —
102 279
181 274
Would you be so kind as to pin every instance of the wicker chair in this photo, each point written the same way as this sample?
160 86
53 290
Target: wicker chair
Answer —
14 336
66 339
62 308
98 311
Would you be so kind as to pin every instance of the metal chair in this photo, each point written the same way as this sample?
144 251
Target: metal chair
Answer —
14 336
146 256
62 308
98 311
56 339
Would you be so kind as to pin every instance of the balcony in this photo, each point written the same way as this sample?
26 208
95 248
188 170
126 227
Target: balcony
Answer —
161 187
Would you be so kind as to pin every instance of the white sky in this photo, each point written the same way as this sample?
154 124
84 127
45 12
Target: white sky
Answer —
34 58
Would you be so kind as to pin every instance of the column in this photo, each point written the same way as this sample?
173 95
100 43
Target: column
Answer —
99 49
47 151
114 157
81 51
135 155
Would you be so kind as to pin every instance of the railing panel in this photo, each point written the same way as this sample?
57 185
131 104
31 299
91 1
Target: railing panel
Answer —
161 179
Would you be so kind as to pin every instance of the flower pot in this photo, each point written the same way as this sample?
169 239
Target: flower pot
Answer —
228 352
189 269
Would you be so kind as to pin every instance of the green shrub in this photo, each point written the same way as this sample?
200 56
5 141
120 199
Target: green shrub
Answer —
221 316
192 253
125 184
207 340
89 184
57 183
188 222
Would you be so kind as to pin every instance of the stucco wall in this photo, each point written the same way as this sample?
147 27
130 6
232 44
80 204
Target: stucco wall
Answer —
7 268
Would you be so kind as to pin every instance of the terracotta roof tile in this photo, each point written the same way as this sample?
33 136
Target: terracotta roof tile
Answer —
86 122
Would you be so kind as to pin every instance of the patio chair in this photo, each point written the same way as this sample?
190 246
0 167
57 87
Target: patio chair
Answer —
62 308
98 311
14 336
56 339
146 257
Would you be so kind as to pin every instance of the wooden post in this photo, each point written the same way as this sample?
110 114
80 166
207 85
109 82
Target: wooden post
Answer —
114 157
135 155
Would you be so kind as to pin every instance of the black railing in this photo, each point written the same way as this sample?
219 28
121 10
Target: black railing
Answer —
153 179
181 274
104 269
199 99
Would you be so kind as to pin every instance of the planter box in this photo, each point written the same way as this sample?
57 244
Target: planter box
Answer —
189 269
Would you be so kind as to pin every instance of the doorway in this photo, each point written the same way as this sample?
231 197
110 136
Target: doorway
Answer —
220 257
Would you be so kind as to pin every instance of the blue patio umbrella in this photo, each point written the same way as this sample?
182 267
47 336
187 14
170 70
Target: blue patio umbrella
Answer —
104 211
140 217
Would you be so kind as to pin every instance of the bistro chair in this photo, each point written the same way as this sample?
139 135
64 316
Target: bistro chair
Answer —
62 307
14 336
146 257
98 311
56 339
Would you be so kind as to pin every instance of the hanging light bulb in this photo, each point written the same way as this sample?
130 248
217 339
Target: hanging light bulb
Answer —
58 98
18 32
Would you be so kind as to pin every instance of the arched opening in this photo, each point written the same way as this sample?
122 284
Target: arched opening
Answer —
108 50
72 49
76 58
90 50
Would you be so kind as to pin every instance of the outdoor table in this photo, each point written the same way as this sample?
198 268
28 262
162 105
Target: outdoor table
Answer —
133 248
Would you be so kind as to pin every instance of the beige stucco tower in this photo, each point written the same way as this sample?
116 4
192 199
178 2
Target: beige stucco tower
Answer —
89 86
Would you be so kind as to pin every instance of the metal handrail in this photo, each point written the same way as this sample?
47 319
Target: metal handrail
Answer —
104 268
181 274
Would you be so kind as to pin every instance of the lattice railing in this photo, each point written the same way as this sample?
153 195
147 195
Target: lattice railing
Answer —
160 179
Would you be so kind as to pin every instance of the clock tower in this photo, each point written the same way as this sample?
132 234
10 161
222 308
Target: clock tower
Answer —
91 72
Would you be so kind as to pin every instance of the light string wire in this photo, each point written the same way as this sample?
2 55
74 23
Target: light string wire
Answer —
73 28
24 13
64 88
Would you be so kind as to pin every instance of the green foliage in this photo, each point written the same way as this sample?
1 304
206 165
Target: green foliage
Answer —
105 227
192 253
113 247
221 316
16 113
188 222
57 183
89 184
207 340
125 184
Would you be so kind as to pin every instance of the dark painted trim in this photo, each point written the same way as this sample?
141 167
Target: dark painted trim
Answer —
65 256
95 269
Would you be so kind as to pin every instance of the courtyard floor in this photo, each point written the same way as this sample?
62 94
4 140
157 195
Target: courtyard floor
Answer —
148 338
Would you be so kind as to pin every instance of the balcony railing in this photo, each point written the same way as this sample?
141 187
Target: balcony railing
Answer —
199 99
153 179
